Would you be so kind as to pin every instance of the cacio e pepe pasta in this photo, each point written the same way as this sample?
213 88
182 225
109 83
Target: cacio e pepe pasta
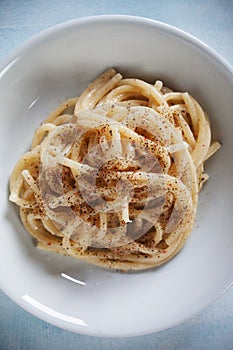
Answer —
113 175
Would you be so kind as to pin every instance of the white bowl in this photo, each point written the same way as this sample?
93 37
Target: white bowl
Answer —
59 63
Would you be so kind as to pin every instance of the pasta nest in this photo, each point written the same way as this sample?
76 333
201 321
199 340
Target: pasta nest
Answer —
113 175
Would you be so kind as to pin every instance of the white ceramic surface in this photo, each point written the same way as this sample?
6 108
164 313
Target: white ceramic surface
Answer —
59 63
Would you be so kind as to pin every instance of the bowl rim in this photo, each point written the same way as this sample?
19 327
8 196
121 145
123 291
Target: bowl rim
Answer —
85 20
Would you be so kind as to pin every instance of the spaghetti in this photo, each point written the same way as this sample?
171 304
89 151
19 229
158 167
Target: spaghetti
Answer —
113 175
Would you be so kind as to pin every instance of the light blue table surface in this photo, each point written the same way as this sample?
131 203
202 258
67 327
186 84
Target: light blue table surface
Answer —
212 22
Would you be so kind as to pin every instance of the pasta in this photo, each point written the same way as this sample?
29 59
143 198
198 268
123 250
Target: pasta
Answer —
113 176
